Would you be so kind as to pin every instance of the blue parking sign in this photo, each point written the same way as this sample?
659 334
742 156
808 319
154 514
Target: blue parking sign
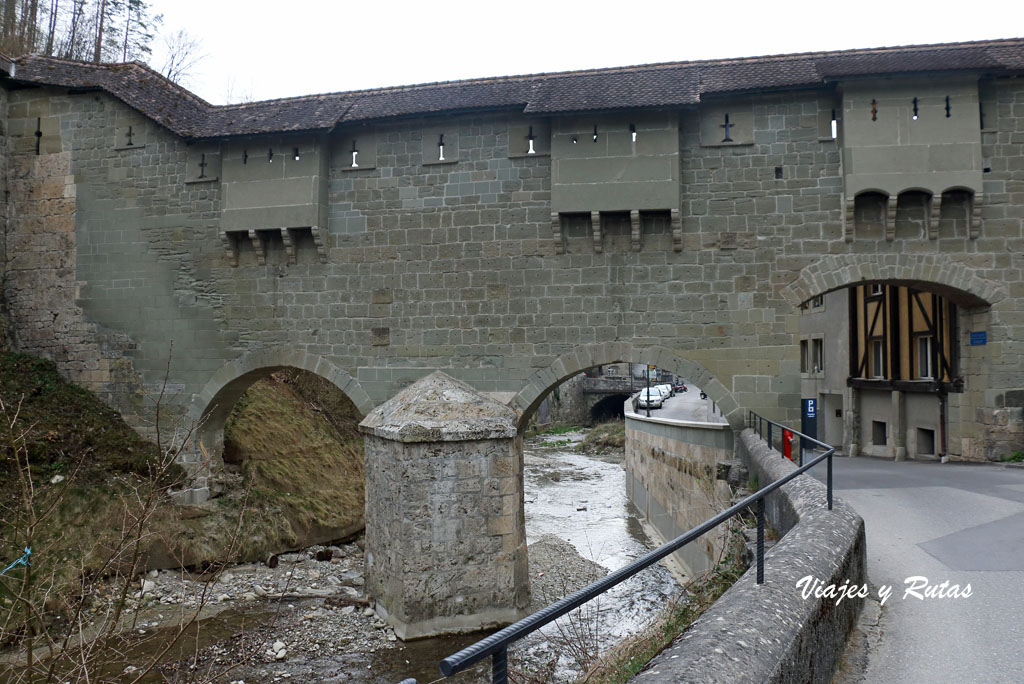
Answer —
810 408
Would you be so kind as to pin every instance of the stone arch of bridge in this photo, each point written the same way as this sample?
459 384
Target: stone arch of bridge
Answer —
587 356
211 407
955 281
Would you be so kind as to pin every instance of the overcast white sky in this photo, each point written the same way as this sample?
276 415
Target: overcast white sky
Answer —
258 49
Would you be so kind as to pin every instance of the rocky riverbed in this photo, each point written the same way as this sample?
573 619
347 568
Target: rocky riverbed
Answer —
308 619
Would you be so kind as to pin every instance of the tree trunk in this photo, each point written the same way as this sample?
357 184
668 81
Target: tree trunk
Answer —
127 31
101 17
52 29
33 16
10 20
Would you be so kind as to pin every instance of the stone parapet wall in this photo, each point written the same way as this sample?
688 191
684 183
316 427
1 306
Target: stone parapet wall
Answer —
672 478
768 633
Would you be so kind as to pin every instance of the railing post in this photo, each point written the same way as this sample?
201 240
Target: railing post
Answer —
499 666
830 481
769 436
760 540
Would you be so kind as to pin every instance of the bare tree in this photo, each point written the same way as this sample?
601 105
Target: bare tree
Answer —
184 52
101 20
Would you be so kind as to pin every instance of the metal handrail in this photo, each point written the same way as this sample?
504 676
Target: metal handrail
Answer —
496 645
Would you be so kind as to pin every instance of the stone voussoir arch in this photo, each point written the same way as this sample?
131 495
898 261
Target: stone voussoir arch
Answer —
958 282
211 406
587 356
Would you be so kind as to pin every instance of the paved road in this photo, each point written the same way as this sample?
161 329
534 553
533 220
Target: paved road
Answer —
687 406
948 522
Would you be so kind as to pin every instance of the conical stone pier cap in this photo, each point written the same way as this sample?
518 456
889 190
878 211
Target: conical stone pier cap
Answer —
439 408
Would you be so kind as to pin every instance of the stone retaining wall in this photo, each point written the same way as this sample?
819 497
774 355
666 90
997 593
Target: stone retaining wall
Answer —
770 633
671 469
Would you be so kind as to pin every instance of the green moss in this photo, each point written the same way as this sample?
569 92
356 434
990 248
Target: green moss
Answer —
66 423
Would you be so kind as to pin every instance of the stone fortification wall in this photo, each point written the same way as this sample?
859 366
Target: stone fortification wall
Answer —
769 633
672 478
115 251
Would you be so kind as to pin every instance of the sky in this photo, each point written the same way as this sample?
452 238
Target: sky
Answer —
259 50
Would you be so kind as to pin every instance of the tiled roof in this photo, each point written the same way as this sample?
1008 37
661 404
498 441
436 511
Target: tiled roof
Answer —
656 85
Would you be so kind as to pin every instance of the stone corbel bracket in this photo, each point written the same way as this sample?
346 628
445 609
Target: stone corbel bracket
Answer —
289 245
934 218
849 206
975 230
318 240
230 252
677 230
890 218
259 245
634 230
556 232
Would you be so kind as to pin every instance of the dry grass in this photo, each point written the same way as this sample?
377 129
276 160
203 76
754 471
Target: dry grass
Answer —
609 436
306 474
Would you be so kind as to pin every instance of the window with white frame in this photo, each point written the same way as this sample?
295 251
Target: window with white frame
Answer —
877 358
924 357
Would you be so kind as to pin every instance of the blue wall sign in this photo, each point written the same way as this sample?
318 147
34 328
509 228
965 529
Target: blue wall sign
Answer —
978 338
809 422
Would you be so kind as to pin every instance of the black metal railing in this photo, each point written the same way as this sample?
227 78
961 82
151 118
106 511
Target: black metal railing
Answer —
496 645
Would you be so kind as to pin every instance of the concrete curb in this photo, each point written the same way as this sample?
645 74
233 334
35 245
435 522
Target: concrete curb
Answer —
770 633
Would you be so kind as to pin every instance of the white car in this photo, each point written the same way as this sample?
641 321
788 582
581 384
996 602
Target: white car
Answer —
666 390
652 398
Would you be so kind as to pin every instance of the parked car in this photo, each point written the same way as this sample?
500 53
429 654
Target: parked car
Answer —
652 398
666 389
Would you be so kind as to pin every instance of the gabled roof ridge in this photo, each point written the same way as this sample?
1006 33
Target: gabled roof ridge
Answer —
642 85
115 66
484 80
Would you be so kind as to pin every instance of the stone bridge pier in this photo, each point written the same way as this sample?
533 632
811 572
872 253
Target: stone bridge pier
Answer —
445 529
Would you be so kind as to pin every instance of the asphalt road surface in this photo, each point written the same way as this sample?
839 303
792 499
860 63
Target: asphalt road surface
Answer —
956 523
687 406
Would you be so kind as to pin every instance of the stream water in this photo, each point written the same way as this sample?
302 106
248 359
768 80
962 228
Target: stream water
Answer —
579 525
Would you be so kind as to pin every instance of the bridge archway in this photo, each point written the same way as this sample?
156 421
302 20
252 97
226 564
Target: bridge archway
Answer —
955 281
895 366
211 407
587 356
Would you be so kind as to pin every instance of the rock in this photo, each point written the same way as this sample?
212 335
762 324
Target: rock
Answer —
281 655
278 646
348 610
259 591
368 612
223 597
153 573
249 596
148 586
